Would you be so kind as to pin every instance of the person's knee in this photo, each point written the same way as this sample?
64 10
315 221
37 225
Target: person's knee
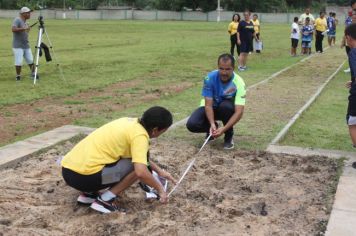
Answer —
191 125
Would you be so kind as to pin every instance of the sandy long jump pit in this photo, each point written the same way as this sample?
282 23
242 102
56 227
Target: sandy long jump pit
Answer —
226 193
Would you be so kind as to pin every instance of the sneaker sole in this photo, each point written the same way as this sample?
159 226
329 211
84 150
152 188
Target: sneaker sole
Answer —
85 200
225 148
99 208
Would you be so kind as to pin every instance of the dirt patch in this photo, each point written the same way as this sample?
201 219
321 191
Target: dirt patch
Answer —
226 193
44 114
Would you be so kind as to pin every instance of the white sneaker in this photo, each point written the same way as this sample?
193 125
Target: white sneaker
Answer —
347 70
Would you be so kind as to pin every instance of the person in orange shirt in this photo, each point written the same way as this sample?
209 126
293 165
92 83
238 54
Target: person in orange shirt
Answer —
232 30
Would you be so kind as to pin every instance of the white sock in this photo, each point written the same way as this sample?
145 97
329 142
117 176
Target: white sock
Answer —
107 195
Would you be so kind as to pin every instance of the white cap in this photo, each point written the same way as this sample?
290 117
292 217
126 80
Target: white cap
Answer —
25 10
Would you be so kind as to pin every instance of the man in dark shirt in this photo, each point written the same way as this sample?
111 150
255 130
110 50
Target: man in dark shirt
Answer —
350 36
245 33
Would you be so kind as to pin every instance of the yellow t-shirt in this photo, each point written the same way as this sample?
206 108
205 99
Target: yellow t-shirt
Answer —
256 24
121 138
232 29
321 24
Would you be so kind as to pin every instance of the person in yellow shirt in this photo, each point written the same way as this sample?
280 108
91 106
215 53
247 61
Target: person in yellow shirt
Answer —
232 30
320 29
257 27
113 157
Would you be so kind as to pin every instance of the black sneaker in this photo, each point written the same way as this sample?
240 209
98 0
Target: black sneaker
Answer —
106 206
229 144
18 77
87 198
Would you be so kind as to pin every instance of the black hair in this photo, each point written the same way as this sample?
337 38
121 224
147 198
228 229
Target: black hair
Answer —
334 14
307 19
255 15
352 2
156 117
238 17
296 19
351 31
227 57
322 12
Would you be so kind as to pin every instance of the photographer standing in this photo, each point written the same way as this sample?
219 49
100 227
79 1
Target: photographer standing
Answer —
20 43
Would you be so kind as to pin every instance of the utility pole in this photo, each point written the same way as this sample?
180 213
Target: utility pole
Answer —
218 11
64 9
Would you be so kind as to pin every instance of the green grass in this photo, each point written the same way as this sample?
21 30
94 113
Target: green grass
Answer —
323 125
95 54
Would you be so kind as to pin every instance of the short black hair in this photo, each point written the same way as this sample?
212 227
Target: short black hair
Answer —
307 19
351 31
333 14
296 19
227 57
238 17
156 117
255 15
352 2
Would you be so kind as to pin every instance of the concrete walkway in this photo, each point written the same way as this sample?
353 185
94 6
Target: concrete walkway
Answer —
11 154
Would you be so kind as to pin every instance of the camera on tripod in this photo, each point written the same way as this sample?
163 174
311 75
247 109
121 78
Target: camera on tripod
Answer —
40 21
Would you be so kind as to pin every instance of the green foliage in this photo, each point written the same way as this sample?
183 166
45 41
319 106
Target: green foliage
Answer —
178 5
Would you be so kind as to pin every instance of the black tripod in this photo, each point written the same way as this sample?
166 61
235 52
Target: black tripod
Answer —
41 31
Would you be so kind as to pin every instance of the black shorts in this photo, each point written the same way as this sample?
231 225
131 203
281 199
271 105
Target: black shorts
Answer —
295 43
245 46
107 177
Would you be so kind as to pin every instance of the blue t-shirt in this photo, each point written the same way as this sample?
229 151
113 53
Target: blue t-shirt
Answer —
307 33
331 23
233 90
348 21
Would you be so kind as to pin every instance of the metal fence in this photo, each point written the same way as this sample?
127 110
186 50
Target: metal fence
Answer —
148 15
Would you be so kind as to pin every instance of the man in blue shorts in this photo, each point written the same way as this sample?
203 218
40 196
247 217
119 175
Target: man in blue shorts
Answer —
20 43
224 99
245 34
307 37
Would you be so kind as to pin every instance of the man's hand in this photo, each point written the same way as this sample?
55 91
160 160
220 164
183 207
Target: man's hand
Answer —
220 131
348 84
168 176
163 197
213 129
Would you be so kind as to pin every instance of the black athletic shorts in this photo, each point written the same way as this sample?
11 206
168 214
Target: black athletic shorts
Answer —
107 177
294 43
245 46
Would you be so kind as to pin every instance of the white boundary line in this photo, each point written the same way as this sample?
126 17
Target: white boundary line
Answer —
284 131
181 122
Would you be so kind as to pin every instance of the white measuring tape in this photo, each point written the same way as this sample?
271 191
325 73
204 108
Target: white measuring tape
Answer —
189 166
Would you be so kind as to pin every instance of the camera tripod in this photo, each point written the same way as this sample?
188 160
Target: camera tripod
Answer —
41 32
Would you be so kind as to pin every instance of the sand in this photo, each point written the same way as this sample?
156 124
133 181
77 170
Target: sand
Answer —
226 193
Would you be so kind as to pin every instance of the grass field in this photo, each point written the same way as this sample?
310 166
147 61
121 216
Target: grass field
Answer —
94 54
97 55
324 124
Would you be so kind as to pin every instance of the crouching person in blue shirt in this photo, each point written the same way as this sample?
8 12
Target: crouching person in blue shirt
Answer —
224 99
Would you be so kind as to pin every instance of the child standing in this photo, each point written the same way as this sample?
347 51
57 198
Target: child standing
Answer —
294 37
307 37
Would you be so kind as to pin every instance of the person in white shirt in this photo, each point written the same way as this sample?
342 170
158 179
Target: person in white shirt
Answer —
295 32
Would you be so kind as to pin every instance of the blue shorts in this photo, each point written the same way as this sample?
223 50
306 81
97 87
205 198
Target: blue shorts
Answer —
21 53
306 44
245 46
332 34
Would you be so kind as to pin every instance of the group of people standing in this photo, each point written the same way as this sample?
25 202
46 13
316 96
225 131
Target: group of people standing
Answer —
244 34
306 27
